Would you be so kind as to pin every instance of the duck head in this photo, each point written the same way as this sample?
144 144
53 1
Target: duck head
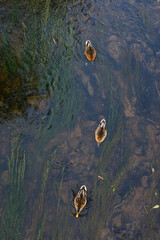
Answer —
103 123
83 188
88 43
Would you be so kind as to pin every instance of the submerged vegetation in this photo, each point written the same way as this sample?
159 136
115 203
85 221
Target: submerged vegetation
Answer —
13 219
39 216
42 98
41 66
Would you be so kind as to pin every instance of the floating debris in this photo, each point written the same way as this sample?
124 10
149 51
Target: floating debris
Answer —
100 177
145 209
155 207
54 40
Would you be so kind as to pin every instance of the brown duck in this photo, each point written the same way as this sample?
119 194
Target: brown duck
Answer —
90 52
80 200
101 132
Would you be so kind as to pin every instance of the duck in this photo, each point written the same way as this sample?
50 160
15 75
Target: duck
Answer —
101 132
90 52
80 200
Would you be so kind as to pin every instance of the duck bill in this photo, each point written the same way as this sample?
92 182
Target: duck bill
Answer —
77 214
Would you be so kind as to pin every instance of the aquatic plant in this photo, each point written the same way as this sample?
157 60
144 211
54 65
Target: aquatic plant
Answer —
13 219
43 66
39 217
55 64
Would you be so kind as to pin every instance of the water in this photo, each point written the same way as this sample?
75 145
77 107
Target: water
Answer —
51 101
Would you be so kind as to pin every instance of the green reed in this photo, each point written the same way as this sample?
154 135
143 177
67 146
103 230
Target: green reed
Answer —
39 211
41 228
13 218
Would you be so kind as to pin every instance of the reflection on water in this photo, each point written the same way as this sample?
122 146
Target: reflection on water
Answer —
51 101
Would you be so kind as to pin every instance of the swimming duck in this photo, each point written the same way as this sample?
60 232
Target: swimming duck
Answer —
89 52
101 132
80 200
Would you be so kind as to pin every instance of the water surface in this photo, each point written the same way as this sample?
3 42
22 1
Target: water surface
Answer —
51 101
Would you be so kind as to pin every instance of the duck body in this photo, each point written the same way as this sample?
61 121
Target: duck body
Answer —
101 132
90 52
80 200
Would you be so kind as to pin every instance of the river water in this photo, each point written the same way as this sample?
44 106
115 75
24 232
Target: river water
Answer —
52 100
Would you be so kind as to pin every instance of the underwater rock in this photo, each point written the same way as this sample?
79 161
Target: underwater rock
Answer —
32 186
116 48
158 54
138 150
117 221
90 89
73 143
39 101
137 51
106 234
86 148
86 81
59 139
5 178
4 146
50 217
129 110
64 147
76 132
145 56
99 83
90 124
85 78
144 181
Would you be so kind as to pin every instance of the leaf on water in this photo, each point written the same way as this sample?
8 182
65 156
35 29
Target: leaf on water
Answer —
54 40
100 177
155 193
152 170
156 206
113 189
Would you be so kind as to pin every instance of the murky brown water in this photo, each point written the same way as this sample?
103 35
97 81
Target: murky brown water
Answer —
51 101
